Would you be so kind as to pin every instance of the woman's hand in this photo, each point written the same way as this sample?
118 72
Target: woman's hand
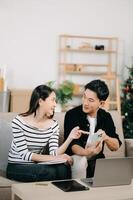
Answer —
76 133
65 157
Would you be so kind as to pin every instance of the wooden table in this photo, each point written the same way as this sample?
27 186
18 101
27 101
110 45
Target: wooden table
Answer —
33 191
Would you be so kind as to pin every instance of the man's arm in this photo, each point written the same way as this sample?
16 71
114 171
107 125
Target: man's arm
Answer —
112 143
69 124
88 151
78 150
109 135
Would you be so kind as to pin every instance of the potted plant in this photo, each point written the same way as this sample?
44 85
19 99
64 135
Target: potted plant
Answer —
64 91
127 111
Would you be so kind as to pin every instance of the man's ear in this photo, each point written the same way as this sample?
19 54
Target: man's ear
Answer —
105 105
102 104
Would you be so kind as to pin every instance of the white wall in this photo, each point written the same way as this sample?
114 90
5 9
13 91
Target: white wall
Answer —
29 31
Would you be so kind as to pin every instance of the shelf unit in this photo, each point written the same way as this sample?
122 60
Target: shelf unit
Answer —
20 99
84 58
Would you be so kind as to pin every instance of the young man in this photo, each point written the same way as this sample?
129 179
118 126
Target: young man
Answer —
92 118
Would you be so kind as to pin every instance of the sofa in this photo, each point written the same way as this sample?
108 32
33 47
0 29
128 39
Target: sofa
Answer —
6 137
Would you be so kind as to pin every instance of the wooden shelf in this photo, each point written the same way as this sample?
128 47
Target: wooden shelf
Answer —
79 58
88 37
86 73
87 50
85 64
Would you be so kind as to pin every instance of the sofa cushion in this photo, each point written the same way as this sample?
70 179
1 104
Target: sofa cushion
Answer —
59 116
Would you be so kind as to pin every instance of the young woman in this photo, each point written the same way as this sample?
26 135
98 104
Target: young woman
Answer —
32 132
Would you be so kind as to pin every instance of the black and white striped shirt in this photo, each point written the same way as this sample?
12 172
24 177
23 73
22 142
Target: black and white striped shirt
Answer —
28 140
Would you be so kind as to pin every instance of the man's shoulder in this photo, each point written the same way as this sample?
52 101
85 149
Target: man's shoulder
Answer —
75 110
103 113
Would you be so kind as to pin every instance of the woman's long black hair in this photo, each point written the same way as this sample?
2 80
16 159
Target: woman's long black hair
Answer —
40 92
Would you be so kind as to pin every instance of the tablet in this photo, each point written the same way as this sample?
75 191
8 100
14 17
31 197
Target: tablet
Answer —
69 185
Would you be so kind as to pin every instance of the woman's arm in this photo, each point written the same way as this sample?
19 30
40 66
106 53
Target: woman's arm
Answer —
19 141
43 158
54 148
74 134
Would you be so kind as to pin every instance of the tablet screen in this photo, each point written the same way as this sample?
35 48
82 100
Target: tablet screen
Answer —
69 185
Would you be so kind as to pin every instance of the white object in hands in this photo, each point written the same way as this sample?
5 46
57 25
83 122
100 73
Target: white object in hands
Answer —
93 138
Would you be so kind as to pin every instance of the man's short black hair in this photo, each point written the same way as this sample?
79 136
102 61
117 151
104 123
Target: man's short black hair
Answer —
100 88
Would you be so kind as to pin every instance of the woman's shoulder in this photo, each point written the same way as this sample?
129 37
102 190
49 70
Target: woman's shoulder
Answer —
17 122
24 121
17 118
20 119
54 123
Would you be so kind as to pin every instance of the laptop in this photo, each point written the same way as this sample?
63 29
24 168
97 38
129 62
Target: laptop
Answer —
111 172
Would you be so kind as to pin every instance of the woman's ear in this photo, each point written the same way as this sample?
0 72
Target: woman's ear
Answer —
40 101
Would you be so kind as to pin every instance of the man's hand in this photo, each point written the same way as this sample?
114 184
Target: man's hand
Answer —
93 150
112 143
103 135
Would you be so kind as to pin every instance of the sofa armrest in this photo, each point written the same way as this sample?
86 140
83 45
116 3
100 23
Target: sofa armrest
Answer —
129 147
5 182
